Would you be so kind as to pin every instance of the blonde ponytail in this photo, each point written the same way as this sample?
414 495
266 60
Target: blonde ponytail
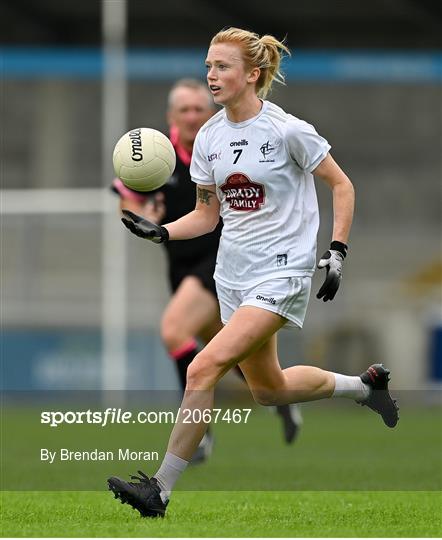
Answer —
264 52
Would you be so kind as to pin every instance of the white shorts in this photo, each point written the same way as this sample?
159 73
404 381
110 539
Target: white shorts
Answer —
287 297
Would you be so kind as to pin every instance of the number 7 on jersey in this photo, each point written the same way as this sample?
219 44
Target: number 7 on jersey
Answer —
238 152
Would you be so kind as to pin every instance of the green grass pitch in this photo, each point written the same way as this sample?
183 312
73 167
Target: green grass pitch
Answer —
346 476
226 514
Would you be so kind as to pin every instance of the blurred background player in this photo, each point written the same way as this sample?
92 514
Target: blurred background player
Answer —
193 311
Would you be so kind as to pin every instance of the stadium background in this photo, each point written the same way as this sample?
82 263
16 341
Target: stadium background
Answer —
367 76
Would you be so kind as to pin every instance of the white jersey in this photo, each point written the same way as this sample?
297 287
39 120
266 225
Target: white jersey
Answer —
262 171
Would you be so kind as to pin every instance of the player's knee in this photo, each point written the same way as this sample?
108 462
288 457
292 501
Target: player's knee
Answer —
203 372
172 334
198 376
265 397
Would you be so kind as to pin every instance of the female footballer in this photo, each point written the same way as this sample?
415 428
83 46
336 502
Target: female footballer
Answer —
193 310
254 166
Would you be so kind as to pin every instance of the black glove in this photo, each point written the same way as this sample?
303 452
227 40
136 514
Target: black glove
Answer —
332 261
144 228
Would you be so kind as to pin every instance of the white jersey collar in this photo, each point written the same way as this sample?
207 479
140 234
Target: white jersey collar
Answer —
245 123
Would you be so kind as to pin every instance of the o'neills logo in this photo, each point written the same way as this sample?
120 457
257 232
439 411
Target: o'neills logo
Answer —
270 300
242 193
135 141
242 142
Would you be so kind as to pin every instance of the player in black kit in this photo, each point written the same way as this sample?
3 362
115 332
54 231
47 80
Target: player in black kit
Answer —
193 311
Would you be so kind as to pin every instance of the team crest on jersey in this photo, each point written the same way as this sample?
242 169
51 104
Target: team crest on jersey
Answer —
242 194
266 149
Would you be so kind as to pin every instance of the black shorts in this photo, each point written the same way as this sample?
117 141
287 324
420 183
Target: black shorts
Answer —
202 268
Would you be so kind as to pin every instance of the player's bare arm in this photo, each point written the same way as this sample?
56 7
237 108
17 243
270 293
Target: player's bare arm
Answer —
200 221
204 195
343 205
343 196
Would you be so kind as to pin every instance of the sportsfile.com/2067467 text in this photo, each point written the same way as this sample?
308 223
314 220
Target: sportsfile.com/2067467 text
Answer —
113 415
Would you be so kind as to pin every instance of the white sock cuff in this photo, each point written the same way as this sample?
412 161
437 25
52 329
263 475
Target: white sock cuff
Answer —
176 462
169 472
350 387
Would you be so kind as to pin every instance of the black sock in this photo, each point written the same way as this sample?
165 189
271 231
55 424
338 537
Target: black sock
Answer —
239 373
182 363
